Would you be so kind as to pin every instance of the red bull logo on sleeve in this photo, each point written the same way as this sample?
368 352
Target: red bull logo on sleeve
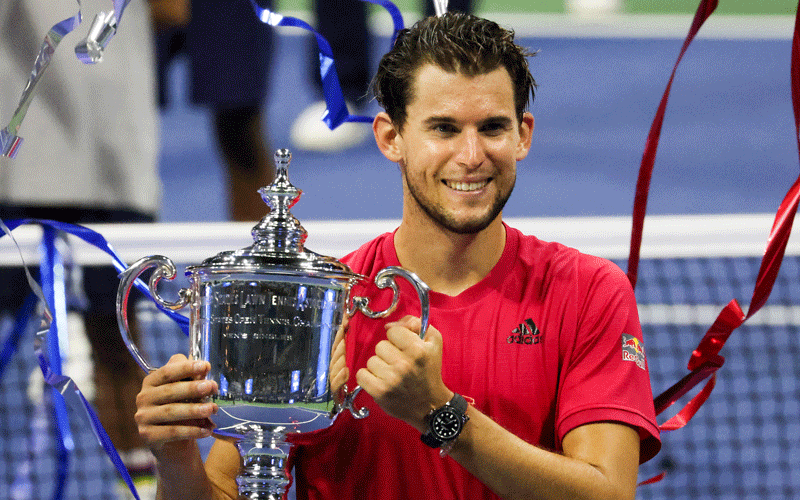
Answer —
633 350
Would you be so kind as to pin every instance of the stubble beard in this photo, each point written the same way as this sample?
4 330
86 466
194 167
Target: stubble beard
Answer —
449 222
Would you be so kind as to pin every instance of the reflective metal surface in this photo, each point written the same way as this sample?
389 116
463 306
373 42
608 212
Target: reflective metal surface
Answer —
265 318
269 344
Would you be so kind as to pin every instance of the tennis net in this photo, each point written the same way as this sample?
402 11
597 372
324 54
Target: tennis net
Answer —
743 444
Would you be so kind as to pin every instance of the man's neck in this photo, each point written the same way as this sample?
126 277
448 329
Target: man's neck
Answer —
448 262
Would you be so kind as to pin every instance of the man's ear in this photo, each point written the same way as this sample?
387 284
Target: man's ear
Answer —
525 134
387 137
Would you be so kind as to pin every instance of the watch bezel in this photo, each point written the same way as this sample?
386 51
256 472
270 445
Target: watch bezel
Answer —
457 408
457 420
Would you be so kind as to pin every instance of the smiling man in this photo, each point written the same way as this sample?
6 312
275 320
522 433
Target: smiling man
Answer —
469 412
458 148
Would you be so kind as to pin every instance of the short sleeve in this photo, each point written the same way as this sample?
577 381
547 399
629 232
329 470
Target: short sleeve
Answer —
605 375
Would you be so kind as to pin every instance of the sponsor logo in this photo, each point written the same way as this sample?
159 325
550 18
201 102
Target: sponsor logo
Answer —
527 333
633 350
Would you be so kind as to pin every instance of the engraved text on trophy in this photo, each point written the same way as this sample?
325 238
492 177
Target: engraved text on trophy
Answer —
269 341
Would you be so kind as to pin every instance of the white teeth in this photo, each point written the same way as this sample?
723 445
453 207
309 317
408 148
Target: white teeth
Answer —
466 186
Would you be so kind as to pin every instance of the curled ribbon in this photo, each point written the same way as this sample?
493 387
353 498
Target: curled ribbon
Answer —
98 241
336 111
705 359
104 26
46 345
10 142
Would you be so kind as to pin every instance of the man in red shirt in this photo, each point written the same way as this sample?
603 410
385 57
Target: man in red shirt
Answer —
526 384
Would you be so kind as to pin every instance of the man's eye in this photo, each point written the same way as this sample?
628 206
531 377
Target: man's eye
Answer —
494 128
444 128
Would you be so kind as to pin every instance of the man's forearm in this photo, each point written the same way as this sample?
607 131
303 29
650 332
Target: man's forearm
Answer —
181 473
514 469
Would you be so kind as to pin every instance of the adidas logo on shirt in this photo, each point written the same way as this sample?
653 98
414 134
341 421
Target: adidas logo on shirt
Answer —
527 333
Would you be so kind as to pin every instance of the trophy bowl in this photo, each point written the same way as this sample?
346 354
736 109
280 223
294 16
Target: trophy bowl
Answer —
265 318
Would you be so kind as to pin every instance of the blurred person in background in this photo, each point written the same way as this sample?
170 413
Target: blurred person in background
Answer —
230 52
90 155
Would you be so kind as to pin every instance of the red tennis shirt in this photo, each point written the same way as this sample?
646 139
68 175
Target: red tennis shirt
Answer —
549 340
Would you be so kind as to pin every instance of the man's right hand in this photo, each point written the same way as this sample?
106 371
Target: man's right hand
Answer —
170 406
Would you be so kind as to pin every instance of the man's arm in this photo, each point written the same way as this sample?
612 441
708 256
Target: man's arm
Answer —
171 417
600 460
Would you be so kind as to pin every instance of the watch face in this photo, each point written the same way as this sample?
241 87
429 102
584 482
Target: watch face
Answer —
446 424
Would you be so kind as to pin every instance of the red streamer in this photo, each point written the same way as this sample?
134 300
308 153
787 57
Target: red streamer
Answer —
704 10
705 359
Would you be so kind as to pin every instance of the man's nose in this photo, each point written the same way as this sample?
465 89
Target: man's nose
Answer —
472 150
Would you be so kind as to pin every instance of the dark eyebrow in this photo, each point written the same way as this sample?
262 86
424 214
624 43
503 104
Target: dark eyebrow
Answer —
435 120
499 120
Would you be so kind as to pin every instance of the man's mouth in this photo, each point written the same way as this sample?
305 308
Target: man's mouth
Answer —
466 186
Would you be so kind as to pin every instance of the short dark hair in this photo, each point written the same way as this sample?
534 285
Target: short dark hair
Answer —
455 42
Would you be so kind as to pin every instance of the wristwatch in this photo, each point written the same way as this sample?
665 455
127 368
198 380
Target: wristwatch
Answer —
446 422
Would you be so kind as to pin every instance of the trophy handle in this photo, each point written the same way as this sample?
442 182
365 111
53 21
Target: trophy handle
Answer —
164 269
385 279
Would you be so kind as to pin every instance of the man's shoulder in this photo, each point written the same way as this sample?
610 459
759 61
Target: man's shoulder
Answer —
368 255
558 257
532 249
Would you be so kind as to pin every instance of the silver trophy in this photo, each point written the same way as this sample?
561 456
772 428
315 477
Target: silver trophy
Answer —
265 317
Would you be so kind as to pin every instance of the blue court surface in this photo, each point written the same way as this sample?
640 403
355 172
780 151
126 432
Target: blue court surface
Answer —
727 146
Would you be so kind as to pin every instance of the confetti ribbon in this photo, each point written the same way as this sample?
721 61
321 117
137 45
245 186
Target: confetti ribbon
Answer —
89 51
98 241
104 26
10 142
46 345
705 360
336 111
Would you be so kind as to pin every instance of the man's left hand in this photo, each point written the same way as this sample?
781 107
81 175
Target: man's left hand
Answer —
405 375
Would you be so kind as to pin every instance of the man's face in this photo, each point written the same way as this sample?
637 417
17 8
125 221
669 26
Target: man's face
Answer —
459 146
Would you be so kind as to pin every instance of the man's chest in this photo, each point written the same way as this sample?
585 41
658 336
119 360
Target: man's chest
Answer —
502 355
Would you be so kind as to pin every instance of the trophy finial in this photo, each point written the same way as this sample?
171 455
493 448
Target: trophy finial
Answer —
281 194
283 157
279 230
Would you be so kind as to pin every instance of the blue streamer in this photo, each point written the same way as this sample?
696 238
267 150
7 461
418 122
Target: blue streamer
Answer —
65 443
64 388
67 390
97 240
336 112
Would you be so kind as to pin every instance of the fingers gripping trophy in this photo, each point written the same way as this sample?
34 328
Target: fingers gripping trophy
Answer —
265 318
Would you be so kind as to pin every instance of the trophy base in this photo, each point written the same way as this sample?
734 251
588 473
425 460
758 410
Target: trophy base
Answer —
263 475
259 431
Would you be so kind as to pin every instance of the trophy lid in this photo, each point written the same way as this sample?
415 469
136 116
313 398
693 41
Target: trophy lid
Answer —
279 239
